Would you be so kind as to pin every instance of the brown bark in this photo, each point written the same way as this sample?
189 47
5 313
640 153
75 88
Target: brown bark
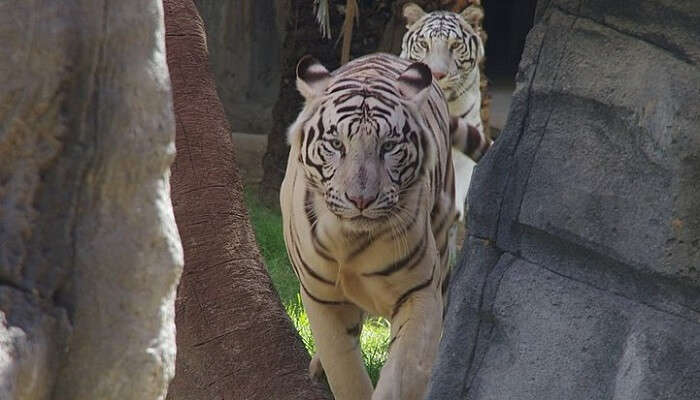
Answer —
234 339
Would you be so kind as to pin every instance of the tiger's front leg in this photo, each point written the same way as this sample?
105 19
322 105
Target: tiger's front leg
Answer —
336 329
415 333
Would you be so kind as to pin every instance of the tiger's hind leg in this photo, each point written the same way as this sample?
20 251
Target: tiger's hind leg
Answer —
415 334
336 330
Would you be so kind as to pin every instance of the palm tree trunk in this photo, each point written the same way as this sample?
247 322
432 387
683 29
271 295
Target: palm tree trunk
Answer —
234 338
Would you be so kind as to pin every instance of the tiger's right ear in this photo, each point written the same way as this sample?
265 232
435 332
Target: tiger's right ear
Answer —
473 15
312 77
412 13
415 81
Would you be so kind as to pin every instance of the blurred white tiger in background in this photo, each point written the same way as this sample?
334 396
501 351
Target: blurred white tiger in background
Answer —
367 202
448 43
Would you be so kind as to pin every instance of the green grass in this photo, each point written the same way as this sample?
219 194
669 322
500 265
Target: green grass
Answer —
267 224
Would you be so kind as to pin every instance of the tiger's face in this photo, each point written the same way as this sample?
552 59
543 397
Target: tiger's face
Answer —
445 41
361 147
362 161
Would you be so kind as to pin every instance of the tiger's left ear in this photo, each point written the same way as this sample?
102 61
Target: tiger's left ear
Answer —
312 77
412 13
415 81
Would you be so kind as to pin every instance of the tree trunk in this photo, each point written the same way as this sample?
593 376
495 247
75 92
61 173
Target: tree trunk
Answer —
234 338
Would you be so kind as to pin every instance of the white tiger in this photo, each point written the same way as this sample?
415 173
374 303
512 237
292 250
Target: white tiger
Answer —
449 45
367 201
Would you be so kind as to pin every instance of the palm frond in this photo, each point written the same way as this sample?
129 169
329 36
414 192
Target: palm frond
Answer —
323 17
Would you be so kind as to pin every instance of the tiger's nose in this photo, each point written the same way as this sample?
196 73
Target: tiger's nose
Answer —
360 201
439 75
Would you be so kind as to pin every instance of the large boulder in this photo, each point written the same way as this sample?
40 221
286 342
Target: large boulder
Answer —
89 251
581 274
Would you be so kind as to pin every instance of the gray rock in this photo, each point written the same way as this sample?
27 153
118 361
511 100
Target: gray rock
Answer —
581 275
89 250
244 39
30 332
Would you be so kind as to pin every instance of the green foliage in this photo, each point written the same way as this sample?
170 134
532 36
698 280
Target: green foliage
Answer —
301 321
267 224
374 341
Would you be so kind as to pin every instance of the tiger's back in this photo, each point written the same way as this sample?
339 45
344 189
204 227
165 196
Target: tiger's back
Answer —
367 203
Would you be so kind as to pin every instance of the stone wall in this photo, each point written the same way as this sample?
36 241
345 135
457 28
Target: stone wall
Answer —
581 273
89 251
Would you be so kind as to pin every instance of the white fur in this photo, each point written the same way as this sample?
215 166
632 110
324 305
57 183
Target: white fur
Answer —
464 166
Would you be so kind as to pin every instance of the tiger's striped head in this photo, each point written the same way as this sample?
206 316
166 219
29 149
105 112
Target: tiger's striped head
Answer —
360 137
445 41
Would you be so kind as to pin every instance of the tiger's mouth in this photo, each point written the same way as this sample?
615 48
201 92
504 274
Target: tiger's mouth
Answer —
376 213
361 217
366 218
362 223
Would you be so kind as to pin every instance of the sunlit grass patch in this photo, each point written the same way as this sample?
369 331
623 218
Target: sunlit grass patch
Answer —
375 343
301 321
267 224
374 339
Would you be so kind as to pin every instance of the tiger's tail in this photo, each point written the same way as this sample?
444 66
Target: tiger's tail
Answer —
468 139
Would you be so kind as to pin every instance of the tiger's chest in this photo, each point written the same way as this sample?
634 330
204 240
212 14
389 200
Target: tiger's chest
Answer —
373 270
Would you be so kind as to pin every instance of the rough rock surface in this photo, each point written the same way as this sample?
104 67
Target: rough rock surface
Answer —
581 275
89 252
234 338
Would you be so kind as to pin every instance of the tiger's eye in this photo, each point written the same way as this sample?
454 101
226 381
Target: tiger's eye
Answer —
336 144
454 46
388 146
